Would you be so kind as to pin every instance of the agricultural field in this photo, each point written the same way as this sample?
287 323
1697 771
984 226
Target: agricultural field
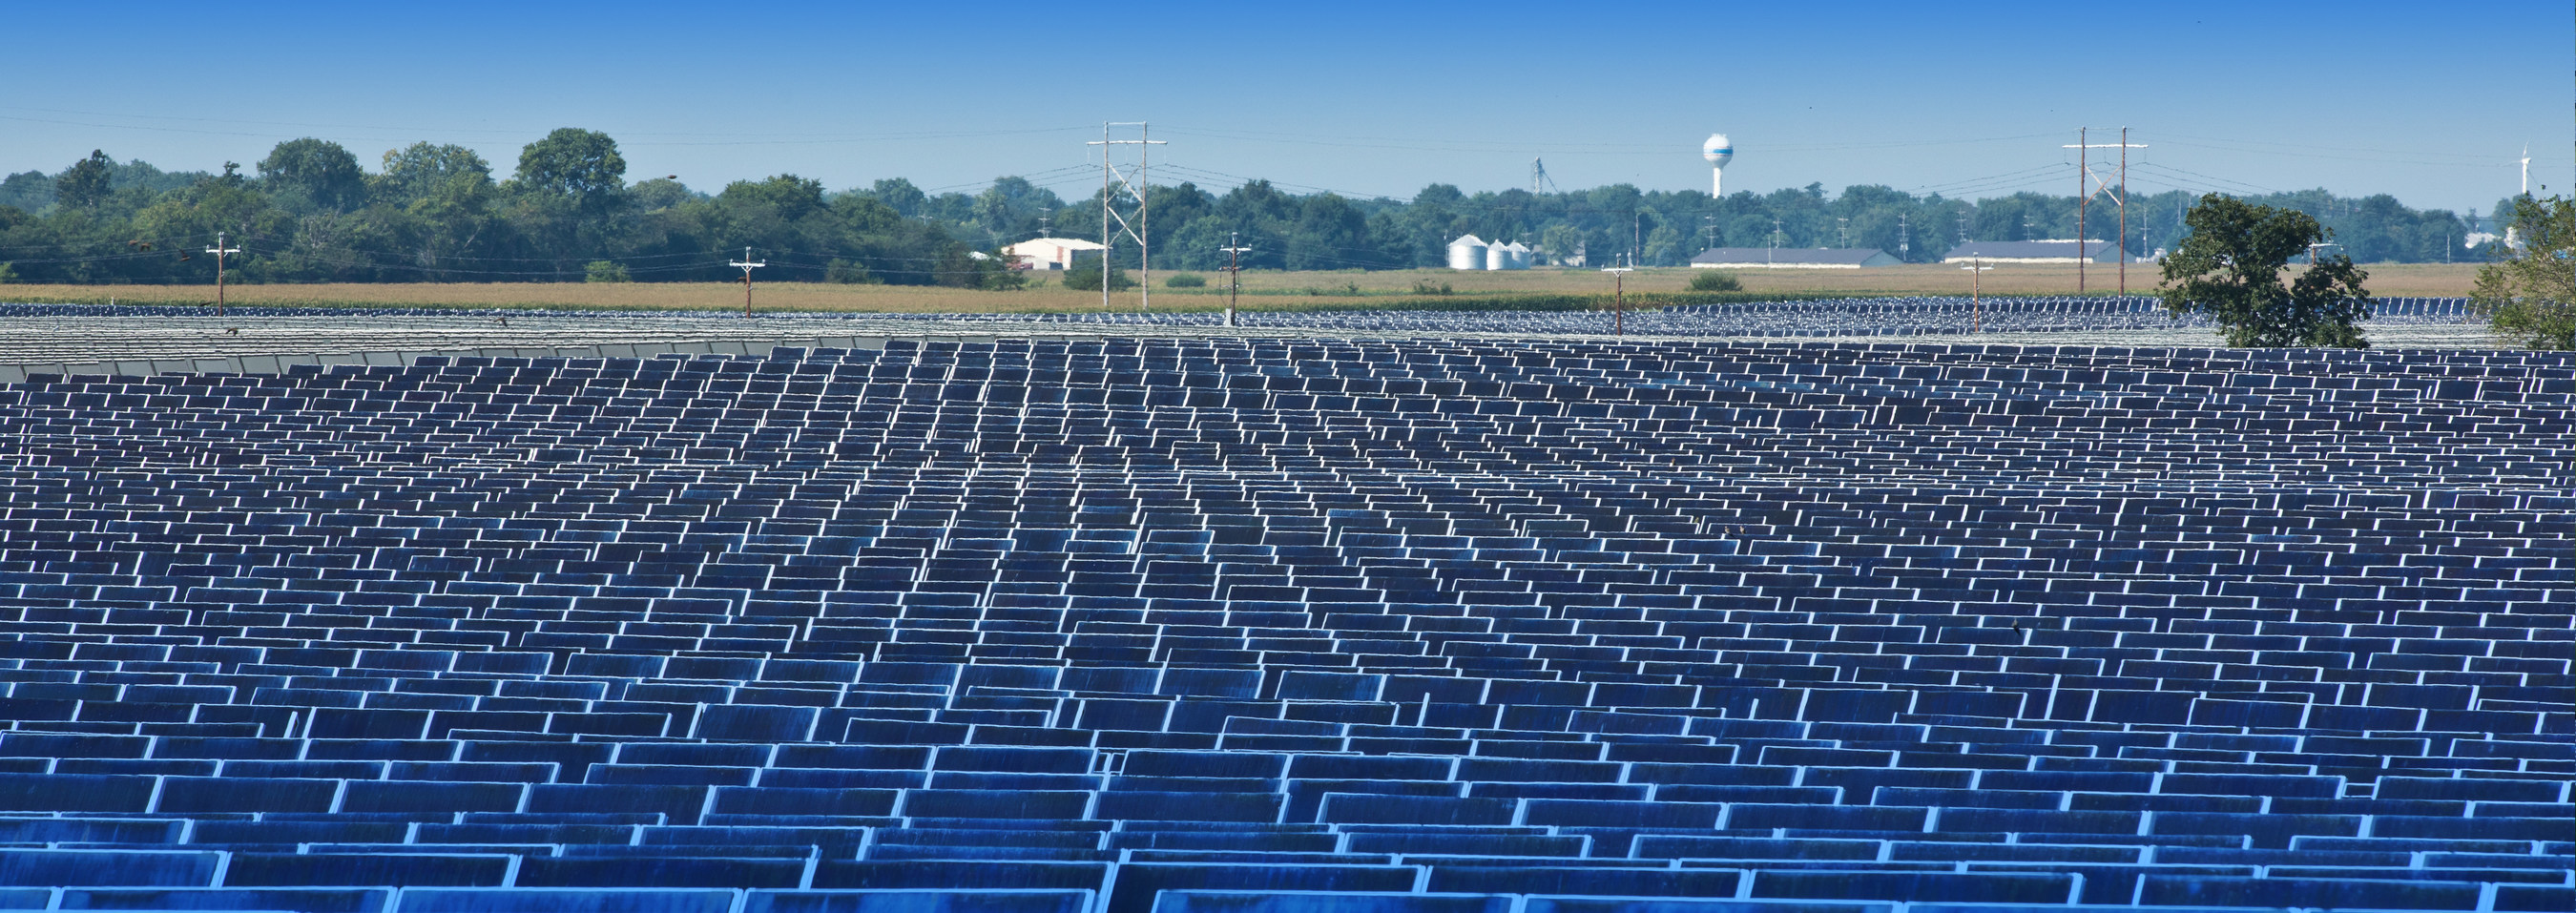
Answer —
1261 289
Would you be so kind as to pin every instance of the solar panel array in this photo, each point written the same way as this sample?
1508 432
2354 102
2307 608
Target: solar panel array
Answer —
1885 316
1230 625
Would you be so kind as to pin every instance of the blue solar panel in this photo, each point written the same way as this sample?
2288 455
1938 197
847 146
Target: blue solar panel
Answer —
1250 624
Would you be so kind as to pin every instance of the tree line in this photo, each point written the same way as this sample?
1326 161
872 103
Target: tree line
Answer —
568 211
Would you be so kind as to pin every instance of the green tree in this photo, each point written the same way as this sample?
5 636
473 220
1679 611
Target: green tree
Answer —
582 165
84 184
320 173
423 171
905 199
2230 267
1563 243
659 194
27 190
2529 292
1330 234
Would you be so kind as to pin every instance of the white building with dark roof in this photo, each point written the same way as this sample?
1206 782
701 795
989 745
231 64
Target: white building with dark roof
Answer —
1048 253
2054 250
1793 258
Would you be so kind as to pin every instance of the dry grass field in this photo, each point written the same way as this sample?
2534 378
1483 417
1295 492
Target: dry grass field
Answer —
1260 289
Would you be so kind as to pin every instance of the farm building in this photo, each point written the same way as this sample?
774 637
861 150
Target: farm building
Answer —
1793 258
2055 250
1048 253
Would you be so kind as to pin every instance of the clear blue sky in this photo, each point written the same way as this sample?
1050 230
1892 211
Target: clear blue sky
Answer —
2430 102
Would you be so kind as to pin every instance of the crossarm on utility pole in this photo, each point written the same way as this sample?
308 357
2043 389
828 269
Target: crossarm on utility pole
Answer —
219 250
746 265
1233 273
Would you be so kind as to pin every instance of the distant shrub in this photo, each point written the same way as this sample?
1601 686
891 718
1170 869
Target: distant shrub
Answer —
844 272
1186 280
1715 282
1085 276
605 271
1424 287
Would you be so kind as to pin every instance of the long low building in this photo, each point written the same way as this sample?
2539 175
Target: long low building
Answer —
1793 258
1048 253
2050 250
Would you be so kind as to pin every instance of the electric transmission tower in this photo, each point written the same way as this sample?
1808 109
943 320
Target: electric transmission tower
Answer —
2088 185
1112 181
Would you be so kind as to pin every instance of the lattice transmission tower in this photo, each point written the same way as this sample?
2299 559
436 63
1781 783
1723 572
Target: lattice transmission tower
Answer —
1115 224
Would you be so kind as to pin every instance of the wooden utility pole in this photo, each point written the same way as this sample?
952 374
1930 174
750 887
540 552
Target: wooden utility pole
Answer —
1976 302
1233 273
219 250
747 266
2124 212
1618 299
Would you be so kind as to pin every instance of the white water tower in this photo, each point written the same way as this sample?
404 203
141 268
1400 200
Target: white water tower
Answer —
1718 151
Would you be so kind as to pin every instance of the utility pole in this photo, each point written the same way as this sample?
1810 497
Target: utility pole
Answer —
2083 195
1233 273
1904 238
1963 226
1110 181
219 250
1976 303
1618 299
1711 224
1842 231
747 266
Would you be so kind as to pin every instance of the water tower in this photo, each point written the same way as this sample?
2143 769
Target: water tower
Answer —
1718 151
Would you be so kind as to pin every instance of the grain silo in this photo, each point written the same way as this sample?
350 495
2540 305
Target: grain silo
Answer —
1468 252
